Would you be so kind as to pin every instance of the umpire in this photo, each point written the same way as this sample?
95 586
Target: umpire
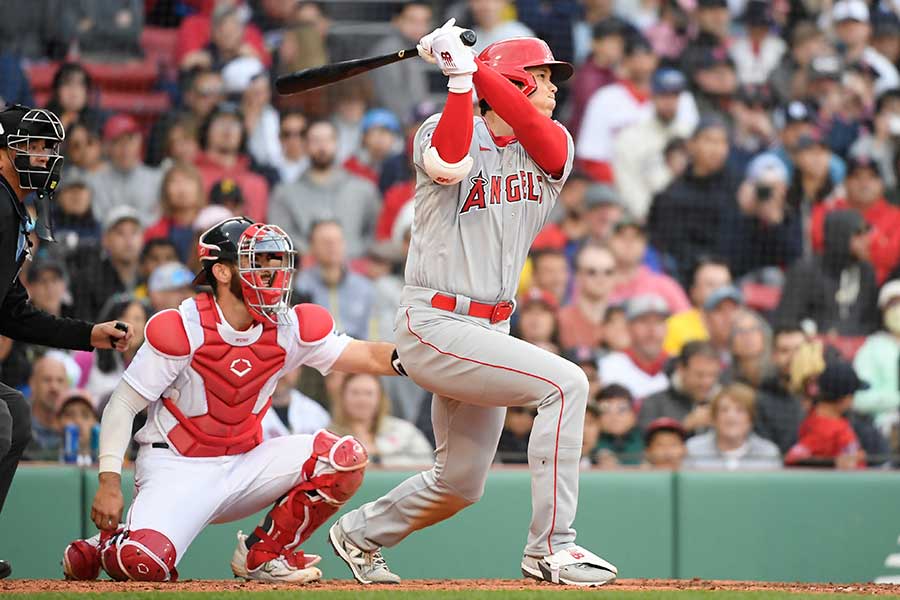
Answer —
30 161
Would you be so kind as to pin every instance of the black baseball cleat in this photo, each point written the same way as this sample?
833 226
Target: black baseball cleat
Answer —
5 569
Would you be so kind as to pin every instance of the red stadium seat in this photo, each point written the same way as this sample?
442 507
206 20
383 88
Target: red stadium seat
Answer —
848 346
159 44
763 298
133 76
40 75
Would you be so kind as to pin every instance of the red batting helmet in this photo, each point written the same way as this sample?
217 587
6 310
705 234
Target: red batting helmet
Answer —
512 57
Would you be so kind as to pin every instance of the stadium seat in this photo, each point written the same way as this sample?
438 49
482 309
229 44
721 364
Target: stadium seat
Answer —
159 44
40 75
134 76
848 346
763 298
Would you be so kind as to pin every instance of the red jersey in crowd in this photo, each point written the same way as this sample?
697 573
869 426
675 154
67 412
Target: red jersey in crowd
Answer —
823 437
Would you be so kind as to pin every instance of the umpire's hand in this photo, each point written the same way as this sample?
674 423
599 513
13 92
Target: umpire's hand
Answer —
103 335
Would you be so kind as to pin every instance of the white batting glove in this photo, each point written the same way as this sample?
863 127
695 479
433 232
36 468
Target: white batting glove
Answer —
455 59
425 44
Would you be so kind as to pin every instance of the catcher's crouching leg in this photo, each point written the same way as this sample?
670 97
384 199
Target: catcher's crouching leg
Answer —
332 474
139 555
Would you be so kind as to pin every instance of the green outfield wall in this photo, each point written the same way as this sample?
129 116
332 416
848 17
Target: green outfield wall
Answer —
790 526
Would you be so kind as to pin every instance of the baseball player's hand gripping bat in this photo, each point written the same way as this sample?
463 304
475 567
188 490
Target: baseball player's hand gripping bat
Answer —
307 79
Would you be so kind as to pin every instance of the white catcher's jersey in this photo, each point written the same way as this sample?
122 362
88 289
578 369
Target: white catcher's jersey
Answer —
154 374
473 238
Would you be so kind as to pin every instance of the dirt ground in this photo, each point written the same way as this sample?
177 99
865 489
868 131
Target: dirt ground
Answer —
48 585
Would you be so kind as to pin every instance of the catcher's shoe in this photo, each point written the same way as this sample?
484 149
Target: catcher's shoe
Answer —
81 558
572 566
367 567
263 565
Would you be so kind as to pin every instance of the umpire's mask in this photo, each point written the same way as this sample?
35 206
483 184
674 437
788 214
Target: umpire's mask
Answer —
36 141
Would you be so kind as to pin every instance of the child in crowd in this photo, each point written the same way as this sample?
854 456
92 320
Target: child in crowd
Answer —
620 440
664 440
826 436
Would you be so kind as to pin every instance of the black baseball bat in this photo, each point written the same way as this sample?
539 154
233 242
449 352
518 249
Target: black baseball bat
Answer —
308 79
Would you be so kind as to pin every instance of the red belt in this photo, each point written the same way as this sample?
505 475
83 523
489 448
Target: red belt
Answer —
495 312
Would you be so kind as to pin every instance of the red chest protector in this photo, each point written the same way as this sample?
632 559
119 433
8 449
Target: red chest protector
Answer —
232 378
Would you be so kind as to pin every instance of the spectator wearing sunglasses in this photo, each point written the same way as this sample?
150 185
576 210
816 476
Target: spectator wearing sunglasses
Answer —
294 160
581 321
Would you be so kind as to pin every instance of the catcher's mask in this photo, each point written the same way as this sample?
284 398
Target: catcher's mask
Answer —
264 256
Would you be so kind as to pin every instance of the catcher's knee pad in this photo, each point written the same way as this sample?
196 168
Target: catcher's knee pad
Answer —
140 555
81 561
332 474
335 469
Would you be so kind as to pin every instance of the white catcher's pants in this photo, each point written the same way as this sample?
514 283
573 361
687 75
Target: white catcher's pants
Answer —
179 496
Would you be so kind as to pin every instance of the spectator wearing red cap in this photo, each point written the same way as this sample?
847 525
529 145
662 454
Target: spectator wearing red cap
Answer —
664 444
537 323
79 408
127 181
581 321
640 367
865 195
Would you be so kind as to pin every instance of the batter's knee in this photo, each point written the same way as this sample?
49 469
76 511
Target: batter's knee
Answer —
574 385
462 491
140 555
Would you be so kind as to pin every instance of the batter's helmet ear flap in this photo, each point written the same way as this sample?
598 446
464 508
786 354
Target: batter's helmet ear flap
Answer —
512 58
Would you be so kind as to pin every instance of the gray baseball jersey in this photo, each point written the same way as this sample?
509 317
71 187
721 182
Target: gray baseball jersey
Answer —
471 240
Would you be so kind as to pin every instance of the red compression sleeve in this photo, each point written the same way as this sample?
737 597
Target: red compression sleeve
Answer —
544 140
453 134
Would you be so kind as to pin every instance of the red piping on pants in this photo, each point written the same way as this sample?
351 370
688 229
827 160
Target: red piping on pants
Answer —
558 422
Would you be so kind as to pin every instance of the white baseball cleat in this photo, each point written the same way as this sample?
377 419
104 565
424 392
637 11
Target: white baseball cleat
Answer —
284 568
367 567
572 566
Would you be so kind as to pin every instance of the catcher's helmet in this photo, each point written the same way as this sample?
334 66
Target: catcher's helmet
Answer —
512 57
219 243
264 256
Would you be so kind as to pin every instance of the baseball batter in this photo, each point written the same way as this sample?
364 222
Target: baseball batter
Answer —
485 187
206 375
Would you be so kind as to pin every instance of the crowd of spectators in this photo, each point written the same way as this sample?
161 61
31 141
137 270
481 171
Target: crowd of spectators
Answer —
723 263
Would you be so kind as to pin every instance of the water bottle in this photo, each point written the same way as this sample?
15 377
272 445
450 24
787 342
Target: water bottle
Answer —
70 444
95 444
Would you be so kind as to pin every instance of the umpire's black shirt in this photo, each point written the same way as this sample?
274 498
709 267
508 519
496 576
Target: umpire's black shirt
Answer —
20 320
